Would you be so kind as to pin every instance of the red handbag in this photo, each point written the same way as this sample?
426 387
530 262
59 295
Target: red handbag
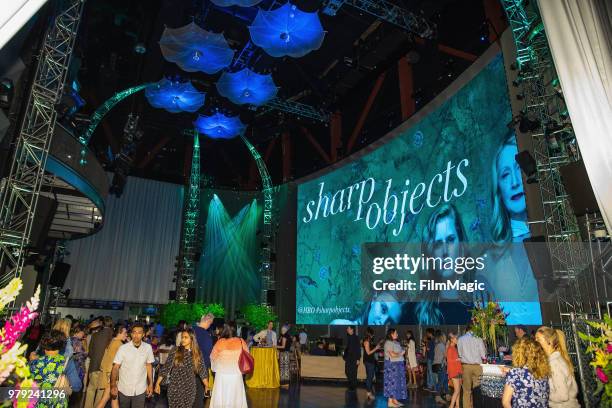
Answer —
246 363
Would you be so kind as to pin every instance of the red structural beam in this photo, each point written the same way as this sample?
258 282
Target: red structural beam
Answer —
457 53
269 150
335 135
150 155
316 145
364 113
286 149
496 19
452 51
406 88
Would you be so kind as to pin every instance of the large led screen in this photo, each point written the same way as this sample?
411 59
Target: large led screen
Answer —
449 179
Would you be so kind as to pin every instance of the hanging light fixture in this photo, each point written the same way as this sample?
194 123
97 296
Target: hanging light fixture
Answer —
247 87
287 31
195 49
240 3
219 126
175 96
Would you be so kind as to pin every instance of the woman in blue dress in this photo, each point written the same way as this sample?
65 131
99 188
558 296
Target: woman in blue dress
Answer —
527 382
395 373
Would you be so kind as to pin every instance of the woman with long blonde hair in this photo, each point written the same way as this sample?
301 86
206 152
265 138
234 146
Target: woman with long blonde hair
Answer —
527 382
563 387
64 325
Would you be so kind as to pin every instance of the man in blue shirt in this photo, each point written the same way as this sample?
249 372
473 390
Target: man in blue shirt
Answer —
204 338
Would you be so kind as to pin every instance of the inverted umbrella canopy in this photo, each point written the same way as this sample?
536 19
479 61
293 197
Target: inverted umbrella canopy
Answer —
195 49
287 31
247 87
175 96
219 126
241 3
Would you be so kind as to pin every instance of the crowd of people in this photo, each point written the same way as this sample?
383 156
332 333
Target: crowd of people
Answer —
540 375
128 363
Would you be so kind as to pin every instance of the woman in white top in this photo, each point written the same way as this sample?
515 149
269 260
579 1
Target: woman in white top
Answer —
228 389
562 383
411 360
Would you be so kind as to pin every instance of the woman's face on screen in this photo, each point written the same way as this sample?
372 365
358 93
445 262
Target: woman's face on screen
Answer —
385 309
510 182
446 242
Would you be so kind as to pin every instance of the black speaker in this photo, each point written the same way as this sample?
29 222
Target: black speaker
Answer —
528 164
539 259
45 211
190 295
578 187
59 274
172 295
271 297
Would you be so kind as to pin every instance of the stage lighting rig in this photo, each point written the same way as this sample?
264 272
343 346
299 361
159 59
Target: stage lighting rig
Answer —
386 11
123 161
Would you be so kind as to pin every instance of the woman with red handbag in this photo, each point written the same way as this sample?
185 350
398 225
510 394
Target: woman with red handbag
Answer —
230 359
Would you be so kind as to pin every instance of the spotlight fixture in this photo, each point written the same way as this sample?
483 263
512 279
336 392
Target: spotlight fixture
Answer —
140 48
527 124
529 166
6 92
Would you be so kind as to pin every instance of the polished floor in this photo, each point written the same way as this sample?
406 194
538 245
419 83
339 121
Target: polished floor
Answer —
329 395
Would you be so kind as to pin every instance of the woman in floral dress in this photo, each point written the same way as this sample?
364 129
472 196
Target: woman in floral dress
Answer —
527 382
48 368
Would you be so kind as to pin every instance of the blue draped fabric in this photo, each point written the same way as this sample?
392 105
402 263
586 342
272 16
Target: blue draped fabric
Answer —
247 87
175 96
219 126
195 49
287 31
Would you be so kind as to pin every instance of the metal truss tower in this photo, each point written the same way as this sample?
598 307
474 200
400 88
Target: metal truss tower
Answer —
267 267
554 146
21 189
388 12
185 278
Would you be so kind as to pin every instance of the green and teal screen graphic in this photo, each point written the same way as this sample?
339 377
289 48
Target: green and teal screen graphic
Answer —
451 177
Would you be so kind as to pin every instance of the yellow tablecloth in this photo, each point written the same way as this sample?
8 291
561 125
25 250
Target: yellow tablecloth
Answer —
265 372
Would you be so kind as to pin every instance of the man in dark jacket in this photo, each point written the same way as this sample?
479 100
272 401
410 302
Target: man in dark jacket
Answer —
352 355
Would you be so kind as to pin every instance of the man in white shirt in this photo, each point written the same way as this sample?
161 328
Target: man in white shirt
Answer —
303 340
132 367
268 336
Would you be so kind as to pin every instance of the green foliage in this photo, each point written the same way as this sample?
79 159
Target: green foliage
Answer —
600 346
172 313
258 315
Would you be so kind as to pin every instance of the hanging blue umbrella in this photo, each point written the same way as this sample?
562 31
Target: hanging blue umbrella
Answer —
175 96
287 31
194 49
247 87
241 3
219 126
